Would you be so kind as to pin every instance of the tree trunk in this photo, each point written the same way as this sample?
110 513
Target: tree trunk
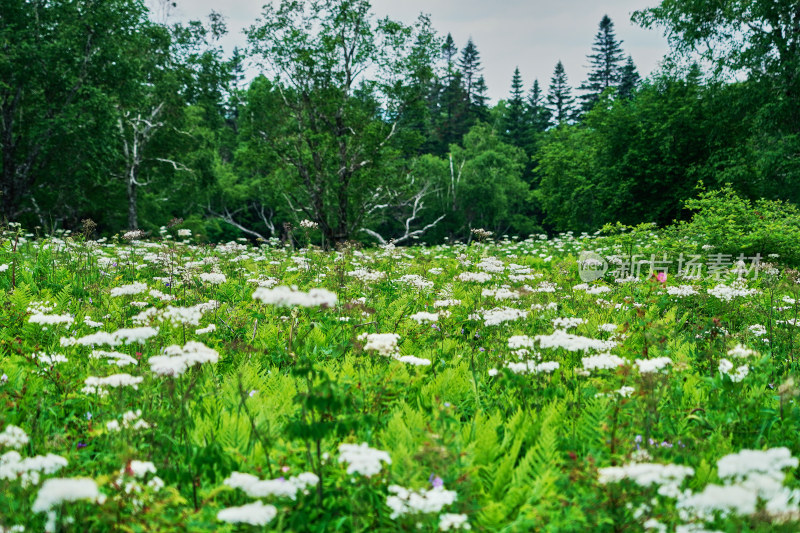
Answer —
133 223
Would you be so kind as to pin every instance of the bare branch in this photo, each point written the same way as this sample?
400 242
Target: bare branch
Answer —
228 217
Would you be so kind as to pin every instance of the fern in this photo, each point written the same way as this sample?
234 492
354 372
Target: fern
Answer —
589 434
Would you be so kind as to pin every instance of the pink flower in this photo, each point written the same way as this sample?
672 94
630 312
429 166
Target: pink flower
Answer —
662 277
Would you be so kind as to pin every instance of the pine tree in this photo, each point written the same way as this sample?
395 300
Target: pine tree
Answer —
559 96
514 127
538 114
470 65
605 63
629 79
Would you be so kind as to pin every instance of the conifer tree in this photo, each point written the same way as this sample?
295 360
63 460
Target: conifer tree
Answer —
629 79
538 114
514 127
559 96
605 62
479 108
449 51
470 65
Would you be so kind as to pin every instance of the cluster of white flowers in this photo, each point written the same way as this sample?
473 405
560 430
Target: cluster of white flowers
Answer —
417 281
114 358
546 286
413 360
50 359
499 315
383 343
727 293
290 296
446 303
573 343
214 278
365 275
139 469
422 317
567 322
177 360
130 420
608 328
255 514
27 471
448 521
681 291
95 385
266 282
91 323
308 224
491 264
749 476
184 233
668 477
477 277
362 459
177 316
403 501
281 488
129 290
726 368
51 320
648 366
503 293
208 329
13 437
741 352
158 295
530 367
520 341
56 491
603 361
121 336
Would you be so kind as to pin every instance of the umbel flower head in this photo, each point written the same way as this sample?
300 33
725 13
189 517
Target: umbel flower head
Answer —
290 296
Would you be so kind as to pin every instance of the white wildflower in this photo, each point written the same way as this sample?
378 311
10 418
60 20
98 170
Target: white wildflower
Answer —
214 278
129 290
179 359
55 491
362 459
383 343
422 316
603 361
403 501
289 296
499 315
255 514
13 437
50 320
448 521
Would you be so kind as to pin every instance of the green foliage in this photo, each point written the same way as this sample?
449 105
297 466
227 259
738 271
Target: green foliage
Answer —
734 225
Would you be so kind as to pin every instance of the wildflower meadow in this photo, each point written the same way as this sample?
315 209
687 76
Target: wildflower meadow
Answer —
152 383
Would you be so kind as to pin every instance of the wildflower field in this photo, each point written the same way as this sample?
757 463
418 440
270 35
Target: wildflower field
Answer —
156 384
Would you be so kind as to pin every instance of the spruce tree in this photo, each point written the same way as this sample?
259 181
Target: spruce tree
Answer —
605 63
629 79
449 51
514 129
470 65
559 96
538 115
478 104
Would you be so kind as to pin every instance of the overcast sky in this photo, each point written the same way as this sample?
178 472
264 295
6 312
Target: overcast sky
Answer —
531 34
